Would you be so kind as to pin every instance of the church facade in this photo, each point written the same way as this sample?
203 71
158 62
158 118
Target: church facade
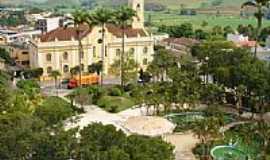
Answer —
59 49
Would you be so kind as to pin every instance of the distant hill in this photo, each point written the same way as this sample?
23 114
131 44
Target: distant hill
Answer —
171 4
41 3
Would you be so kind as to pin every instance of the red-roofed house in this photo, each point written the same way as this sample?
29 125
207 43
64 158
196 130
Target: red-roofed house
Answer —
179 45
240 40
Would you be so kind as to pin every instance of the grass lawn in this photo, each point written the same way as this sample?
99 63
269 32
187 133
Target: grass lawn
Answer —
115 104
162 18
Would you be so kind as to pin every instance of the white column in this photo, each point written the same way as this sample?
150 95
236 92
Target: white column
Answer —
57 62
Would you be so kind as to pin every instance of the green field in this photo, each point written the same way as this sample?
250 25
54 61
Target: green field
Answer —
175 4
162 18
170 4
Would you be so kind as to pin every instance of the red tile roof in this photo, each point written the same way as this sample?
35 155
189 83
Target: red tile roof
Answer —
130 32
247 44
181 41
65 34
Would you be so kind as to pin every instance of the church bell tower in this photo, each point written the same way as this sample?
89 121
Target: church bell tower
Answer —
138 6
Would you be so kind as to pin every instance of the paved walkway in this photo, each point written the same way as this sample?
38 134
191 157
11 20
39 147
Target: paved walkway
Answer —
184 143
94 114
229 126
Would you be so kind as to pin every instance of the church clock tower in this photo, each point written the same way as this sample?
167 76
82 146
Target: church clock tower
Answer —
138 6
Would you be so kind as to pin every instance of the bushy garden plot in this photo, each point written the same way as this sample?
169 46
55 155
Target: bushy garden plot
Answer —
186 121
54 110
115 103
244 138
110 98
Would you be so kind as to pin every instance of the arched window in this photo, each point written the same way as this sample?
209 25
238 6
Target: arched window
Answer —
118 52
49 70
99 41
106 51
66 68
49 57
145 50
65 56
145 61
94 52
131 51
138 6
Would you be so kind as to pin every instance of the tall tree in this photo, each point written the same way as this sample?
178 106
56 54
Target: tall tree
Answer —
55 75
163 60
206 130
263 129
17 131
102 17
123 16
130 70
79 18
260 5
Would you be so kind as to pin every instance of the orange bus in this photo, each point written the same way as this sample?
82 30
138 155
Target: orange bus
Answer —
85 81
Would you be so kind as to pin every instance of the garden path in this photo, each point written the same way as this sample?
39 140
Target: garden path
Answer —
184 143
229 126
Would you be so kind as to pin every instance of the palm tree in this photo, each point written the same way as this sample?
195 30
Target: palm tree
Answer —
79 18
260 5
55 75
123 16
102 17
72 97
206 130
74 71
263 129
96 67
200 129
240 92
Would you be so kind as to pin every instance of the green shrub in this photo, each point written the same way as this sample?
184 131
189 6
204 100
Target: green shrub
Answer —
25 84
129 87
199 149
30 87
94 93
4 77
113 144
113 109
33 73
4 54
115 104
54 110
115 92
